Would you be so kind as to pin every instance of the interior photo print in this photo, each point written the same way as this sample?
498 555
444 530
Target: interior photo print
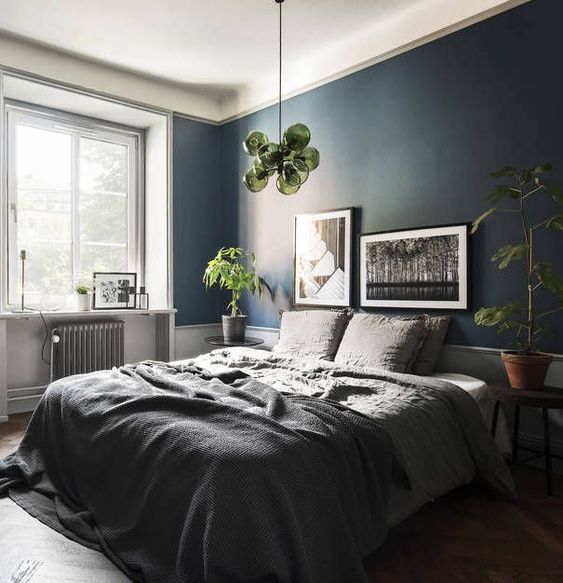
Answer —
322 263
281 291
113 291
417 268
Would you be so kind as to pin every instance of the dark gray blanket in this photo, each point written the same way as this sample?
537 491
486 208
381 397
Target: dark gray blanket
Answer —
181 478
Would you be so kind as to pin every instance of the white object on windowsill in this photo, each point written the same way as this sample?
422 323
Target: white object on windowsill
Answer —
84 302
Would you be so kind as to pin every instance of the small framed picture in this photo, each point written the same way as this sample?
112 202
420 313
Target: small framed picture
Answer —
111 290
322 260
415 268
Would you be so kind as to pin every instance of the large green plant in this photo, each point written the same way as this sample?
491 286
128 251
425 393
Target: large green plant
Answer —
523 186
233 269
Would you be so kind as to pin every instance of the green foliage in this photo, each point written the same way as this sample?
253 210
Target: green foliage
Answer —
481 218
82 289
549 278
522 186
509 253
555 222
233 269
497 315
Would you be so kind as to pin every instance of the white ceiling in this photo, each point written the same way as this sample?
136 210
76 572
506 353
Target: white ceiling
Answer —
228 48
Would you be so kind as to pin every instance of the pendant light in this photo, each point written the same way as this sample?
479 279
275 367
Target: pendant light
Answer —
291 157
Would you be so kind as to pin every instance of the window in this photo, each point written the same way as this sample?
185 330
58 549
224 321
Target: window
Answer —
73 202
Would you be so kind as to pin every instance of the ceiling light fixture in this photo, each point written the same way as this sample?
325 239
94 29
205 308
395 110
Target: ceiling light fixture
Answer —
292 157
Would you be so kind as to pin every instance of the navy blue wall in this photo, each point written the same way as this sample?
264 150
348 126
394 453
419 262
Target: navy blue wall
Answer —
203 219
411 141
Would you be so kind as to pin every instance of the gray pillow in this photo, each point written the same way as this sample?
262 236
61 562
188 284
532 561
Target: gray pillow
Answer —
381 341
436 329
314 333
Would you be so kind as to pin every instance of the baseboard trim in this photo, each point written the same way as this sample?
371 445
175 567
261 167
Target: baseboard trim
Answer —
263 329
3 419
24 399
198 326
487 350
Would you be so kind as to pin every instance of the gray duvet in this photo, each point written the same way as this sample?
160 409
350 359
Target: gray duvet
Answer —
438 432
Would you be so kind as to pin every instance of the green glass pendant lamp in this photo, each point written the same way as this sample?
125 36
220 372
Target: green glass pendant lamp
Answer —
292 159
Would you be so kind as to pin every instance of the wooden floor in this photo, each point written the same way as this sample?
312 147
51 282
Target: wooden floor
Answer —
468 536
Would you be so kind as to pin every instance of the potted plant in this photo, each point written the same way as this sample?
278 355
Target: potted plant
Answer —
526 367
83 294
233 269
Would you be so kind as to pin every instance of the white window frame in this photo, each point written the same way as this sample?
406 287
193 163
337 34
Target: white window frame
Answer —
18 113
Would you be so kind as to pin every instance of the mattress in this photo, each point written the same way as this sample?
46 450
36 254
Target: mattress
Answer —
479 390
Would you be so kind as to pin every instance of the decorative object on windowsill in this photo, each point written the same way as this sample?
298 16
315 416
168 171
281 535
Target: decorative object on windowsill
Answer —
233 269
526 367
291 158
142 299
22 308
84 298
111 290
132 298
415 268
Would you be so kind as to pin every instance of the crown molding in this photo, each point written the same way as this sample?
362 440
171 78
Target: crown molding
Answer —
430 21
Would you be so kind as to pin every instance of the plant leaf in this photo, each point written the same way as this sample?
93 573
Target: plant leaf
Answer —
481 218
549 278
542 168
555 222
509 253
502 190
497 315
555 192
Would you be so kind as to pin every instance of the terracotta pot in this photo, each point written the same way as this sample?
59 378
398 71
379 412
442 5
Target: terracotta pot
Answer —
526 370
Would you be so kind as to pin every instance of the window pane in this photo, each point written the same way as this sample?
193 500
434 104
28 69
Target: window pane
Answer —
103 206
43 199
70 195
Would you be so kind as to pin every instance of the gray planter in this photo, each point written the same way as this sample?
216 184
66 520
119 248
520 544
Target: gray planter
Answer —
234 328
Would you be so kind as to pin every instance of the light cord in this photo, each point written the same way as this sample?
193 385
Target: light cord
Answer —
280 81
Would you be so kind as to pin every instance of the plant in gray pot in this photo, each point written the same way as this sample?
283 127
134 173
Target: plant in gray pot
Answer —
233 269
526 367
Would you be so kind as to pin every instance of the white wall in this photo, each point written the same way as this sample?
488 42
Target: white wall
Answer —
59 66
27 375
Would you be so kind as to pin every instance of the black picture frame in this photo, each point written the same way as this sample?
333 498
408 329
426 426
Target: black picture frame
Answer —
98 277
343 260
394 290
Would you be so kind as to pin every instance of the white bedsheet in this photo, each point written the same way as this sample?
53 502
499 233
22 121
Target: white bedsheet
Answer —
479 390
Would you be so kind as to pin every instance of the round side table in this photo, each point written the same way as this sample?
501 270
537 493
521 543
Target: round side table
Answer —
548 398
220 341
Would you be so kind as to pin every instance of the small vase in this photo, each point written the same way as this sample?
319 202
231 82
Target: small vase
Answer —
526 370
234 328
84 302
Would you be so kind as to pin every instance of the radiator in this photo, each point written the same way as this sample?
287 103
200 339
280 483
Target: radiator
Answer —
82 347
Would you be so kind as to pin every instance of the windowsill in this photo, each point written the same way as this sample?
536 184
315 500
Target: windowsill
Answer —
85 314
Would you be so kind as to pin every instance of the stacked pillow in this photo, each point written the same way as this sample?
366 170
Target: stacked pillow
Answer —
376 341
368 340
312 333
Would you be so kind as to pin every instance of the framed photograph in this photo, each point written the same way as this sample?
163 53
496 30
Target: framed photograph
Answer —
322 258
416 268
111 290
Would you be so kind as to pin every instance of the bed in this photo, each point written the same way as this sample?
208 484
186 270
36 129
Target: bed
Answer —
248 465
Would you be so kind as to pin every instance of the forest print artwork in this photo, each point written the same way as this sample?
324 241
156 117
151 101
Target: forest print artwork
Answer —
417 268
